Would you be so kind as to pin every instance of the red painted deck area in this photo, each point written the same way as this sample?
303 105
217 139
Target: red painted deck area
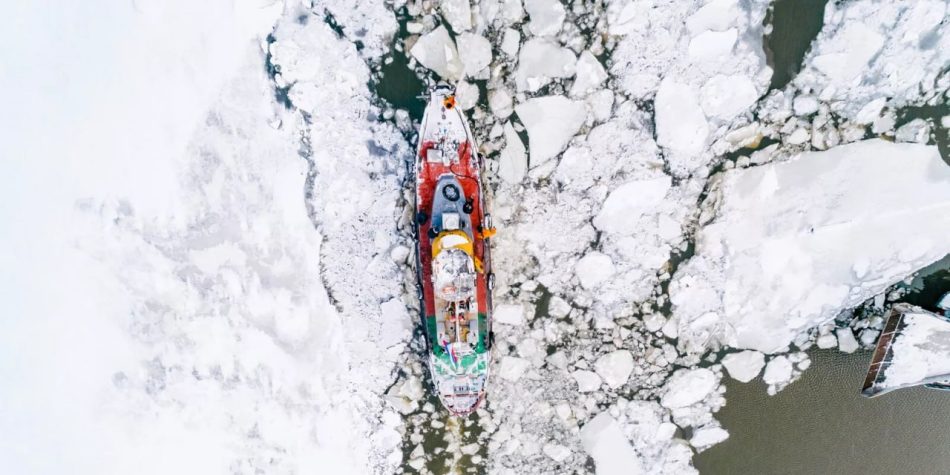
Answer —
428 173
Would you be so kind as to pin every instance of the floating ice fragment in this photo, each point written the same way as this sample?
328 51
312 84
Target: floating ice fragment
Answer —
436 51
477 52
587 381
546 16
594 269
590 74
624 205
509 314
604 440
512 367
551 122
778 371
499 101
725 97
680 123
542 60
513 161
511 42
615 368
688 386
705 437
458 13
827 341
709 46
744 366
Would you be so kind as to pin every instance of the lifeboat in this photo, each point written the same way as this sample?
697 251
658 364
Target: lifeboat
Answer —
453 255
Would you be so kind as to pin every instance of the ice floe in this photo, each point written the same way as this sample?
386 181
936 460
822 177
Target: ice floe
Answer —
551 121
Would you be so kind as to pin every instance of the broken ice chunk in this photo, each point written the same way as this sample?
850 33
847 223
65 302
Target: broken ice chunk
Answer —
477 53
688 386
725 97
436 51
557 452
551 122
709 46
540 61
509 314
680 123
512 367
546 16
512 11
850 54
706 437
805 105
778 371
511 42
594 269
717 15
500 103
512 162
587 381
590 74
615 368
603 439
827 341
458 13
601 104
917 130
466 94
744 366
624 205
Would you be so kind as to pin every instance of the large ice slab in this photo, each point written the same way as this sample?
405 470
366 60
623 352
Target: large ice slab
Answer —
794 243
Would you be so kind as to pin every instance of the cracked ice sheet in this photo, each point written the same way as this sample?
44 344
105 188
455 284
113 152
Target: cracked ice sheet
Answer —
868 51
795 243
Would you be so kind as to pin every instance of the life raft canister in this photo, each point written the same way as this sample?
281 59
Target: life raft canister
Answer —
448 102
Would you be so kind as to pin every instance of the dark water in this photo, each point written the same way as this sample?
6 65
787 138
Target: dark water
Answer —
821 424
795 23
